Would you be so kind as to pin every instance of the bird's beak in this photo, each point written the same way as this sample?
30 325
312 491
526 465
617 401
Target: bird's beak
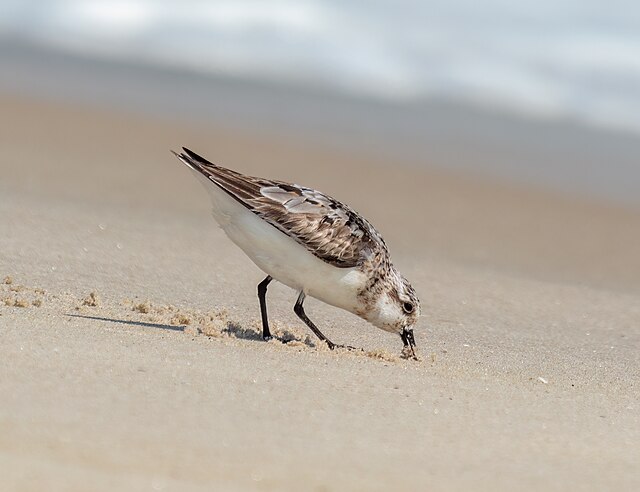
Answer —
409 341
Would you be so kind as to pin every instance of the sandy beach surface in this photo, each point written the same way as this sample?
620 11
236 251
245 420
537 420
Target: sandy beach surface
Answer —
129 349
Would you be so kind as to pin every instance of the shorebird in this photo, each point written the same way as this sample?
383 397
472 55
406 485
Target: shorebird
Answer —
312 243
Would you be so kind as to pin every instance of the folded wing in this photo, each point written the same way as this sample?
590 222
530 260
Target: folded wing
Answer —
327 228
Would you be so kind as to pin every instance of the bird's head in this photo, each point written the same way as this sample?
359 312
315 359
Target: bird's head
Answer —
397 309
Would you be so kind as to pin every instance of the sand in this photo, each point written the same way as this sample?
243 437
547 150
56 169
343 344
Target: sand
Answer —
129 325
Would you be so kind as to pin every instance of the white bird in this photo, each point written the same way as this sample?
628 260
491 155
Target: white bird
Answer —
312 243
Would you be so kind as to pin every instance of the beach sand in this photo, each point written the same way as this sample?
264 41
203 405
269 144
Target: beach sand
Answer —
129 325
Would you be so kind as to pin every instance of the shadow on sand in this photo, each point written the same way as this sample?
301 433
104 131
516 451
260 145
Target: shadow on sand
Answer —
133 323
232 329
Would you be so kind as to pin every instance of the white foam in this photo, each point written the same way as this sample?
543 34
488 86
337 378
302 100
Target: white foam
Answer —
545 58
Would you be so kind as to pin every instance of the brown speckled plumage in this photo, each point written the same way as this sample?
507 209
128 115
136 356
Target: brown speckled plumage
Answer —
332 232
329 229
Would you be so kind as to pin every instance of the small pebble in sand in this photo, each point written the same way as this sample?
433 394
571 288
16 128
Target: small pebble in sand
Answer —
37 303
7 280
39 291
21 303
543 380
91 300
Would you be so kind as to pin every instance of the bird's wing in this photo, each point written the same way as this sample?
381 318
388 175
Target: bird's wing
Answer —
329 229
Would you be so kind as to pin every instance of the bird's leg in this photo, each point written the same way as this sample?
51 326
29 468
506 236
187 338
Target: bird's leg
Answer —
299 310
262 296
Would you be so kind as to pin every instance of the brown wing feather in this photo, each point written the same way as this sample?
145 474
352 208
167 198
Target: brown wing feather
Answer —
327 228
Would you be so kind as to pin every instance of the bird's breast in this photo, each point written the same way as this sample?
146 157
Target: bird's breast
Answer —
284 258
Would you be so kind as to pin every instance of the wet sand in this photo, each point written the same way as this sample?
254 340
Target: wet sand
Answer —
529 347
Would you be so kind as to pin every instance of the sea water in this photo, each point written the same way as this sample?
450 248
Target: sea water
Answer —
576 59
545 92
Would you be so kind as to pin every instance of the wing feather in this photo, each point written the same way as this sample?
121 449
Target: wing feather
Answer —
328 228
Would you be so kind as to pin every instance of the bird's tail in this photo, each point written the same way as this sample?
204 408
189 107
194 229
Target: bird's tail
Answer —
192 160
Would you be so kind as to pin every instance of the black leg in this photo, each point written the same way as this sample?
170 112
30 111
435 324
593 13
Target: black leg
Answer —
262 296
299 310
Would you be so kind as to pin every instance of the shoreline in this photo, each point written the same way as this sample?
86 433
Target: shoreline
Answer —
555 154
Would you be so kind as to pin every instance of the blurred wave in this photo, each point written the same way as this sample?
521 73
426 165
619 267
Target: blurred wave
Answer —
576 59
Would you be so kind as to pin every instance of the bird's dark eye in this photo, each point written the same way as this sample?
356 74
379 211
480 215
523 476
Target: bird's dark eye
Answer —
408 307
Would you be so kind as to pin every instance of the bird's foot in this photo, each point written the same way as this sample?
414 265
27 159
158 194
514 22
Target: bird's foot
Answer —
332 346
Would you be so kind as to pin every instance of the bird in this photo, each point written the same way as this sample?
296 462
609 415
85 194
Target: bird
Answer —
312 243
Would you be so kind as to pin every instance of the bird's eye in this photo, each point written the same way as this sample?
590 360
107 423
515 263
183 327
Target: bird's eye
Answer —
408 307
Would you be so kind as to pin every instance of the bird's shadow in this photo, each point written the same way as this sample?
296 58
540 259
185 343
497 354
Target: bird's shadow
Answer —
283 336
236 330
232 329
133 323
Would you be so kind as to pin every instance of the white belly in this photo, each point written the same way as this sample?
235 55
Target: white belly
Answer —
283 258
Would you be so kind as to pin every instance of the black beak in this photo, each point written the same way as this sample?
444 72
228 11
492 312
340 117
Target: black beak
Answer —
409 341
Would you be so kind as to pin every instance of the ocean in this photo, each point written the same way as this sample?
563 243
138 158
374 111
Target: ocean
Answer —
543 93
576 59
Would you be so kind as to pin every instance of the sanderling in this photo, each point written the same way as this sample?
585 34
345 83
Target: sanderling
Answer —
312 243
